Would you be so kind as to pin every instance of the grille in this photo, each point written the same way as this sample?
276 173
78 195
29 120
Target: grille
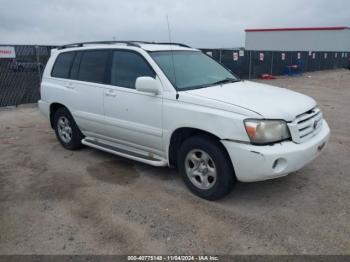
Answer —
306 125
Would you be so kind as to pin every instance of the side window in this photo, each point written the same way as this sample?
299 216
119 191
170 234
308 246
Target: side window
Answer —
75 66
62 65
93 66
126 67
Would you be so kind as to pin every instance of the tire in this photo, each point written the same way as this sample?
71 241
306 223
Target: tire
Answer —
210 185
67 131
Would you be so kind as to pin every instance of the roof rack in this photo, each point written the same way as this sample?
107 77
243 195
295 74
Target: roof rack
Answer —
168 43
129 43
160 43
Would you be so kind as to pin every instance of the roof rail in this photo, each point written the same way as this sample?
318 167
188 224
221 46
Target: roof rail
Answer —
161 43
81 44
129 43
168 43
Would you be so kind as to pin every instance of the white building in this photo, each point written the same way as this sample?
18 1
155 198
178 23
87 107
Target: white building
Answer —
299 39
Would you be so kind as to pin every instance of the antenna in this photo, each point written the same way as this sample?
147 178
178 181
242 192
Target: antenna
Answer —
172 51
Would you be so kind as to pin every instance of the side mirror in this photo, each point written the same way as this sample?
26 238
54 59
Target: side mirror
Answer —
148 84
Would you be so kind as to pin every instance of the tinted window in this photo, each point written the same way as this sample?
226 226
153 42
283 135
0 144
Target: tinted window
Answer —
93 66
126 67
75 66
62 65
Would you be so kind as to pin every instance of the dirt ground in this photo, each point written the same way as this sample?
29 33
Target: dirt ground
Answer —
54 201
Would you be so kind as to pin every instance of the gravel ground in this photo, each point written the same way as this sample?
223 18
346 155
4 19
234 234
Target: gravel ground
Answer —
54 201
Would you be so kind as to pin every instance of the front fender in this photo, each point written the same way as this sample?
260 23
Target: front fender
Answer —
221 123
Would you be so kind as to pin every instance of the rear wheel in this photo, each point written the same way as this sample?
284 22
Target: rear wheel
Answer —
205 167
67 131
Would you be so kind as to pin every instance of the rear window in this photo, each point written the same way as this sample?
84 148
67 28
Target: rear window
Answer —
62 65
93 66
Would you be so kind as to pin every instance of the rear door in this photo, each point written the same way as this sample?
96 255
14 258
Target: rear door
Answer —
84 94
133 118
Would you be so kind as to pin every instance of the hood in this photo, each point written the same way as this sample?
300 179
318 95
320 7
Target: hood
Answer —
266 100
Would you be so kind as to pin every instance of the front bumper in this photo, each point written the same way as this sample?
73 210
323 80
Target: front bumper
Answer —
255 163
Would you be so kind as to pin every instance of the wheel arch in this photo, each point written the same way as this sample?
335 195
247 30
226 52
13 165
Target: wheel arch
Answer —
179 135
53 109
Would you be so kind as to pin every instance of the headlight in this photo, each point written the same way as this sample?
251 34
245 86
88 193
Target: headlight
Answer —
266 131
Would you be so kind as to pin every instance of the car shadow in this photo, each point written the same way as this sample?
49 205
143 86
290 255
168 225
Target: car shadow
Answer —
253 193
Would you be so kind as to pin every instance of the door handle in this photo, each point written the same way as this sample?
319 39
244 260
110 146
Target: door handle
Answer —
110 93
70 86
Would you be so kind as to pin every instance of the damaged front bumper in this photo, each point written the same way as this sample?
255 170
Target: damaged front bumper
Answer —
255 163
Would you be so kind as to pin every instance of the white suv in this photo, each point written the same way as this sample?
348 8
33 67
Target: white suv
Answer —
171 105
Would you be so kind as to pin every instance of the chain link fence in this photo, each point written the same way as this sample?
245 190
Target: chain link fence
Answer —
20 76
253 64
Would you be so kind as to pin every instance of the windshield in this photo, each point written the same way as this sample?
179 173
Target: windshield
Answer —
191 69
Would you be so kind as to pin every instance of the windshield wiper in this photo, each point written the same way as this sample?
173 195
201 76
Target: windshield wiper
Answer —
225 81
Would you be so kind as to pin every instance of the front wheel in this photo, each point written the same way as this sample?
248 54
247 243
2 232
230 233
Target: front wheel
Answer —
206 168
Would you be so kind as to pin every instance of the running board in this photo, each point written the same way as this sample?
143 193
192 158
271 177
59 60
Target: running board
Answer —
113 149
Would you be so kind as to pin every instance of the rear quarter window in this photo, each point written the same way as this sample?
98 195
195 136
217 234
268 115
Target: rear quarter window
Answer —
62 65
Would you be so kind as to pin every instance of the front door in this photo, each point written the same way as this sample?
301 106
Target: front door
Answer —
132 118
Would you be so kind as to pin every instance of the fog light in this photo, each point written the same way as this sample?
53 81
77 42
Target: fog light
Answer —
279 165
